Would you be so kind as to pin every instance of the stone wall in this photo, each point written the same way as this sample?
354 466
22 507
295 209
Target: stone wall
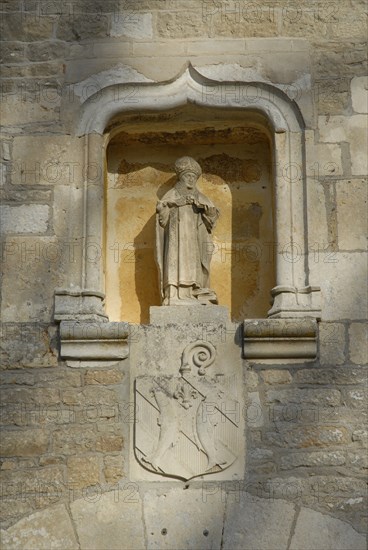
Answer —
66 429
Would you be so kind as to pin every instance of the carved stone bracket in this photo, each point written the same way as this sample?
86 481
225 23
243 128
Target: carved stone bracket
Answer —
94 340
275 339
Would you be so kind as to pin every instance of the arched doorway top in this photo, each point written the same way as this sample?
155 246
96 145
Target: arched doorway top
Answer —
189 86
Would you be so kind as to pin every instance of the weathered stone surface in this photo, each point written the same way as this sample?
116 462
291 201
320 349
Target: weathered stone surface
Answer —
83 471
41 160
117 521
80 27
359 94
352 214
45 51
25 219
332 343
358 343
27 345
18 27
276 377
322 397
310 436
297 460
77 439
103 376
49 529
113 468
315 530
256 523
336 302
254 411
24 443
341 375
358 398
198 525
323 159
130 24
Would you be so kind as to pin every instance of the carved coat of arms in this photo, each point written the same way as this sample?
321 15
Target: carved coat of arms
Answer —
188 425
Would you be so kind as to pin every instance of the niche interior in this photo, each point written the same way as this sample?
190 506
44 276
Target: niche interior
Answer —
235 153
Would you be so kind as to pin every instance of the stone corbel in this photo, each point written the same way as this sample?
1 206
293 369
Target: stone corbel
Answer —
93 340
274 339
295 303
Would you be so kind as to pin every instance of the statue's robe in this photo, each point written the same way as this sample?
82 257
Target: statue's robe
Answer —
183 241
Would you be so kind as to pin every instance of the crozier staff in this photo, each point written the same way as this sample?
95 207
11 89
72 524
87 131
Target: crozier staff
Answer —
185 220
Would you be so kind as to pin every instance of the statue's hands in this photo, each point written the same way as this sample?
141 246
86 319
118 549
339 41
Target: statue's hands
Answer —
190 199
181 202
210 211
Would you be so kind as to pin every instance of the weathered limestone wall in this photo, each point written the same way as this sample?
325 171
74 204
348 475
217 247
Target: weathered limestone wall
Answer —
66 430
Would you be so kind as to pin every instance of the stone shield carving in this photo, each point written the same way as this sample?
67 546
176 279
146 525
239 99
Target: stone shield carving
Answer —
188 425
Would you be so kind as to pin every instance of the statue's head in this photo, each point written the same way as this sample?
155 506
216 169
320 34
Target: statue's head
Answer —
188 171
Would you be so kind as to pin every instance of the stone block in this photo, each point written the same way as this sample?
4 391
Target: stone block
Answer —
35 396
83 471
314 530
40 264
105 377
12 52
322 397
198 524
18 109
26 28
45 530
27 345
323 159
28 218
131 24
334 375
109 443
24 443
359 94
254 412
352 214
113 468
41 160
351 129
80 27
336 272
256 523
276 377
317 214
308 436
117 521
332 343
358 144
76 439
358 398
358 459
46 50
358 343
314 459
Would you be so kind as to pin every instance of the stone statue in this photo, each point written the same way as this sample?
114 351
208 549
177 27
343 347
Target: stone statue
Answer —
185 220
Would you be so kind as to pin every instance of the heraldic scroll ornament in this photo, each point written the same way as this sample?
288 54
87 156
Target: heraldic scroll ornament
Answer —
188 425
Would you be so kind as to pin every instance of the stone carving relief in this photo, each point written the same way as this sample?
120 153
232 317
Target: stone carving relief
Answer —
185 220
188 425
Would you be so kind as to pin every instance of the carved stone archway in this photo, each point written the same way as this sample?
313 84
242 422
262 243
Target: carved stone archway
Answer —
293 297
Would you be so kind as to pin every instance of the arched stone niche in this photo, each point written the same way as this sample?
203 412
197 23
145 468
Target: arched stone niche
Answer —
235 156
270 109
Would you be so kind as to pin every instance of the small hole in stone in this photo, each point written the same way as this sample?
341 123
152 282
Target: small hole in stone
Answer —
164 531
206 532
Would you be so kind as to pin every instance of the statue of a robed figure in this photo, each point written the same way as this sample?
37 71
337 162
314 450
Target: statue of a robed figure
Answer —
185 220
